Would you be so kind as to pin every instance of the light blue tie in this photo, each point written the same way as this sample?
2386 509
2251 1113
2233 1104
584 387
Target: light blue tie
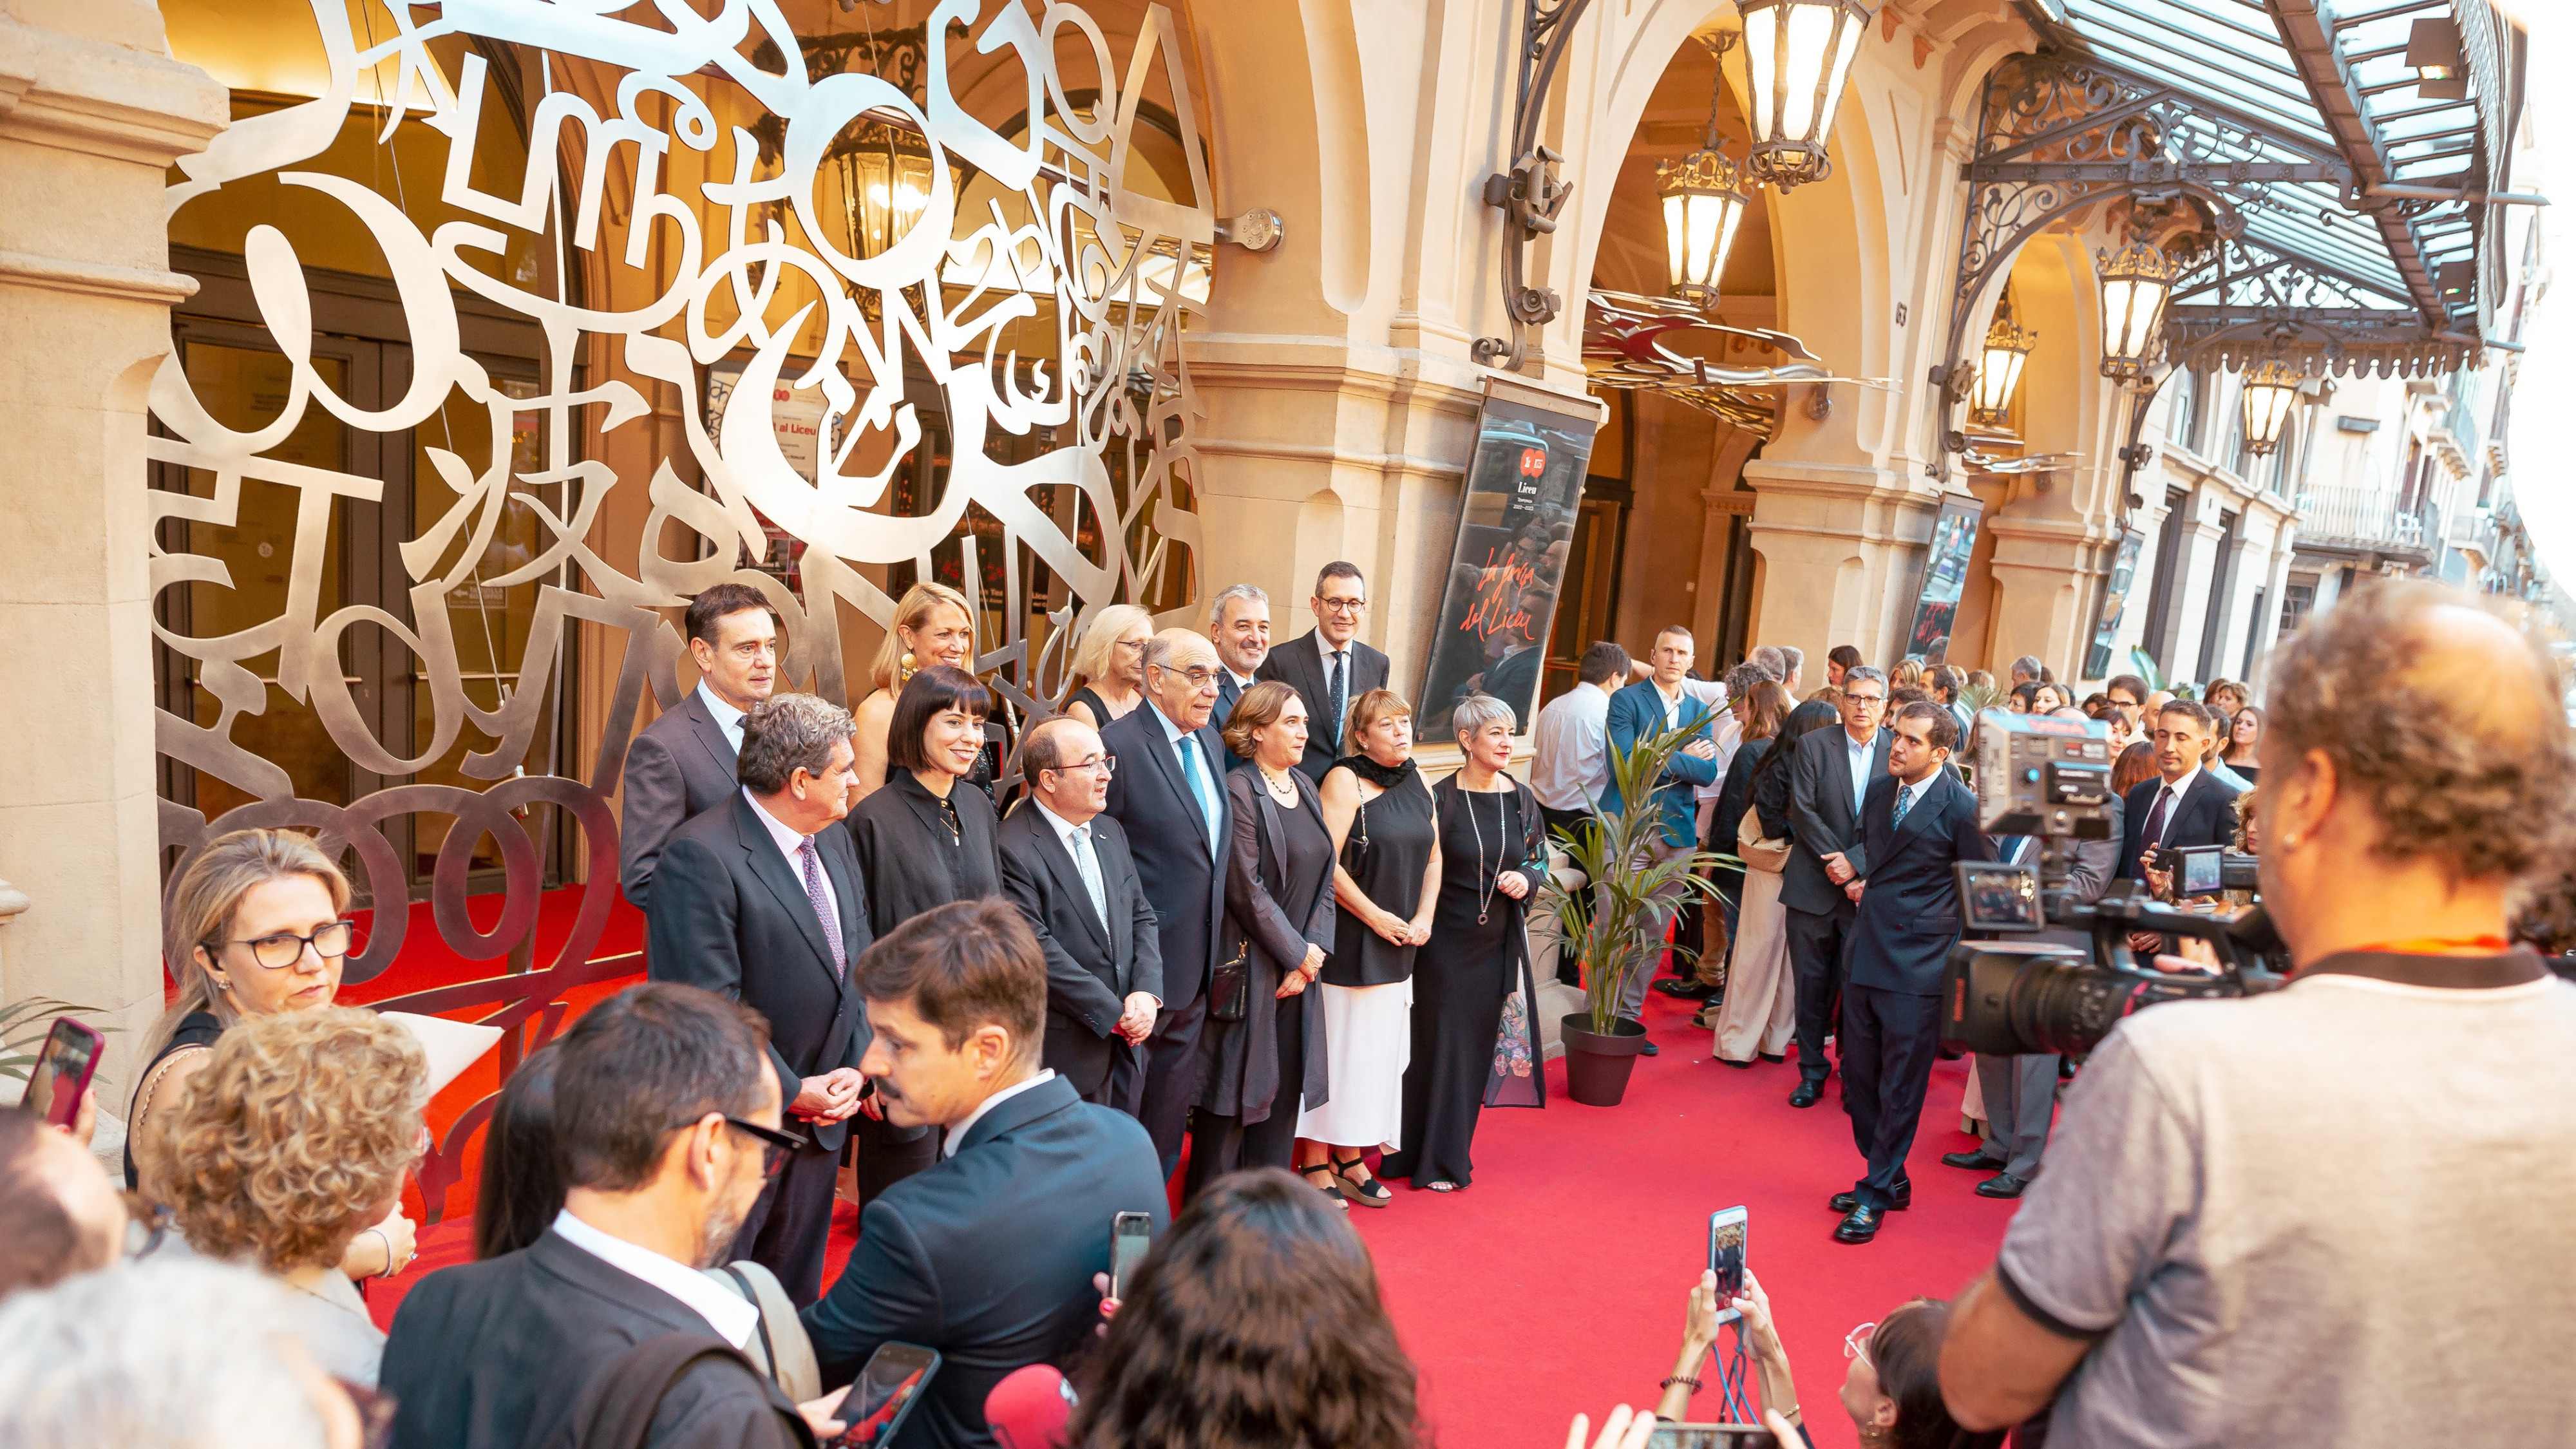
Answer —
1199 787
1084 861
1904 802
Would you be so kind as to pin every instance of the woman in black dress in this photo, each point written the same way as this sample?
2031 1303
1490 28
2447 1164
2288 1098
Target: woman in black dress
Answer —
922 842
1493 847
1111 664
1387 884
1279 918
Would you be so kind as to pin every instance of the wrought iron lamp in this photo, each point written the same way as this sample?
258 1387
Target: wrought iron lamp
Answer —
1703 199
2271 390
1999 366
885 184
2136 282
1797 53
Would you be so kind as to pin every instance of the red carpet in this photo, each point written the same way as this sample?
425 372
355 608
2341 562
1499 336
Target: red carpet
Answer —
1555 1284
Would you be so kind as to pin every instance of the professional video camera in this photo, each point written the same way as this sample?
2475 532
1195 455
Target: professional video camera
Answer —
2051 778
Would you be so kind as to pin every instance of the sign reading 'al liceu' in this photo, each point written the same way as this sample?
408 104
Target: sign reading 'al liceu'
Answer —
1515 528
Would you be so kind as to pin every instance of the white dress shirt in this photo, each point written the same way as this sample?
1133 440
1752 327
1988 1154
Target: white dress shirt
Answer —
1241 681
1571 766
1077 843
1860 752
957 1134
727 718
2178 789
730 1314
788 841
1723 731
1174 734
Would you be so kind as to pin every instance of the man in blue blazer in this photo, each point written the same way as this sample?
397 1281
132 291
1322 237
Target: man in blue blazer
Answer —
1645 709
988 1256
1917 822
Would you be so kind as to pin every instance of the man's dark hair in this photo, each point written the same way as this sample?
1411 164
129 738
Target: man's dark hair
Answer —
963 965
1742 678
1947 681
1843 654
1042 749
640 1066
718 604
786 733
2187 708
1942 727
1602 661
926 696
1339 569
1905 694
37 1237
2136 687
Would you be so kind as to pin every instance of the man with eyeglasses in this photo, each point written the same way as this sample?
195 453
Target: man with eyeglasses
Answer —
1827 781
1327 665
1168 797
1067 867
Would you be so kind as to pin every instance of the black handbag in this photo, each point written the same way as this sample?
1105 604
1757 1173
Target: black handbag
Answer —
1230 989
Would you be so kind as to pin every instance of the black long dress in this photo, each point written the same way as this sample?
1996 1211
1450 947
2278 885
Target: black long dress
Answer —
917 851
1463 975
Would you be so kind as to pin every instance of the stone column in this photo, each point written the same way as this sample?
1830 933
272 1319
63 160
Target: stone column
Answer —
92 112
1842 548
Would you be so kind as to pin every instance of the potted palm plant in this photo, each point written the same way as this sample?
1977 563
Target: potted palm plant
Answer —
1616 921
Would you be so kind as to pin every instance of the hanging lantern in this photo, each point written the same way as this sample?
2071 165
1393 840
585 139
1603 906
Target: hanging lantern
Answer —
1703 202
1797 53
885 185
2135 284
1999 366
2271 390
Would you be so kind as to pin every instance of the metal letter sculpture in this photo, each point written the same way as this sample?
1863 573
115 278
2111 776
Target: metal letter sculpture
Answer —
1063 222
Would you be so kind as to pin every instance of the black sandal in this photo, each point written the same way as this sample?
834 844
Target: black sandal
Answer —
1325 1187
1371 1193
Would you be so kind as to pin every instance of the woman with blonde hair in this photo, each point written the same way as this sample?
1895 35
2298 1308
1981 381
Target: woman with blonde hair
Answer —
290 1146
1110 662
933 624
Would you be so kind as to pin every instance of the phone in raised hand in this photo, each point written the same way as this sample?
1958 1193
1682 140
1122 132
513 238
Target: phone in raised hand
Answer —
62 1071
1131 1236
1726 1234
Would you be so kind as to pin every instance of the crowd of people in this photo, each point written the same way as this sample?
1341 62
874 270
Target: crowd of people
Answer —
994 985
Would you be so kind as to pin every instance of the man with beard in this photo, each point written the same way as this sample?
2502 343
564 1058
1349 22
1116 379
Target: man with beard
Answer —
666 1125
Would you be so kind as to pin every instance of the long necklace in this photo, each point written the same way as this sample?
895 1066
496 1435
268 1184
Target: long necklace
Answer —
1502 832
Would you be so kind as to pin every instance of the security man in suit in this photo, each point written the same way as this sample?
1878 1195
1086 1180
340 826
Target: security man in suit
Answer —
1239 624
1827 780
1650 707
681 766
1066 866
1327 665
2184 805
1168 797
758 901
1918 821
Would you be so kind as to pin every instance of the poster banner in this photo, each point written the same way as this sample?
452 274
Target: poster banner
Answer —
2115 605
1515 528
1945 575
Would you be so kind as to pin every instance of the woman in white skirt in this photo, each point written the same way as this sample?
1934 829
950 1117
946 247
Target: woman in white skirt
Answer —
1759 1014
1386 884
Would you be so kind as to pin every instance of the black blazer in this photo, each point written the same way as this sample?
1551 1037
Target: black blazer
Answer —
680 767
1242 1057
1300 664
1821 818
494 1355
1735 797
907 856
1092 968
988 1255
729 914
2205 816
1909 909
1167 836
1227 694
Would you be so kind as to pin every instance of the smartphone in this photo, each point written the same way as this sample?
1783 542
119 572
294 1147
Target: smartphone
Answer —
1726 1229
1130 1235
1711 1436
62 1071
884 1395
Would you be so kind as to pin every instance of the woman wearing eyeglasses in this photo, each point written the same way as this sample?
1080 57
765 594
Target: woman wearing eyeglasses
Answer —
1111 664
263 914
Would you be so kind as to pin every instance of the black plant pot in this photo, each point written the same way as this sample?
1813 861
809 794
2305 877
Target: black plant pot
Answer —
1597 1064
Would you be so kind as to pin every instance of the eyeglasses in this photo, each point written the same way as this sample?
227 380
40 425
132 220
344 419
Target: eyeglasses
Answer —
775 1146
285 948
1856 1342
1107 765
1850 698
1342 606
1198 678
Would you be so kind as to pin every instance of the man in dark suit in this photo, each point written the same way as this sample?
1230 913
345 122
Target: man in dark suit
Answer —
1917 822
1653 706
666 1118
1327 665
1826 781
1168 797
2183 805
1066 866
681 766
758 901
988 1256
1239 625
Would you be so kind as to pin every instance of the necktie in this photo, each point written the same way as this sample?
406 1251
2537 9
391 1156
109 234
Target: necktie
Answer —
1904 802
1199 787
2155 832
823 911
1340 688
1089 865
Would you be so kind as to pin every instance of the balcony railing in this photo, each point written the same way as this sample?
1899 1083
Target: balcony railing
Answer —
2366 517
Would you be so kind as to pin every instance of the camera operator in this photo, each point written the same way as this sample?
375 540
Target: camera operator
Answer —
2376 1257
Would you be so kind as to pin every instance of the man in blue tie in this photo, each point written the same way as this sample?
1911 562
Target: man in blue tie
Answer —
1167 796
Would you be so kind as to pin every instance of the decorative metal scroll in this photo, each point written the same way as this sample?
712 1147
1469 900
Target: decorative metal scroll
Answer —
1529 195
624 95
1629 342
2243 302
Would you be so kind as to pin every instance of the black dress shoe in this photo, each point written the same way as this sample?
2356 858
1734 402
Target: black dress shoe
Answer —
1973 1161
1843 1202
1860 1227
1652 1050
1686 990
2002 1184
1777 1059
1807 1095
1739 1066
